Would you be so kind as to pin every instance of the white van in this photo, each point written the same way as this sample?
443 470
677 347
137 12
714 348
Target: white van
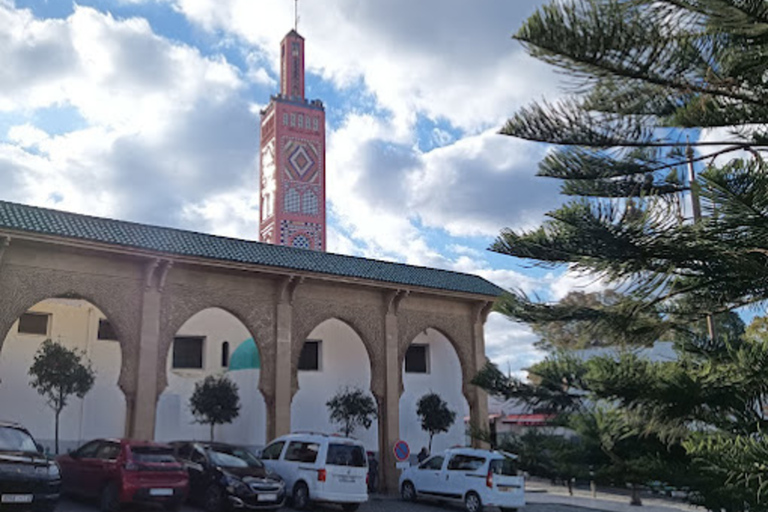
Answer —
476 478
320 468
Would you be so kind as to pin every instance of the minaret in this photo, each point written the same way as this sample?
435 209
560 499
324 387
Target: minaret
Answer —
293 158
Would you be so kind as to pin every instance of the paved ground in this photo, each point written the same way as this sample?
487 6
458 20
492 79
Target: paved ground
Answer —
539 500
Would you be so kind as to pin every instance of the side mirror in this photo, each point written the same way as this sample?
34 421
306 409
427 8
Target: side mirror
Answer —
40 448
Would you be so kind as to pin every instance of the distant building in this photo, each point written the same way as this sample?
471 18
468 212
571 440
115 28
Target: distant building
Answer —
292 184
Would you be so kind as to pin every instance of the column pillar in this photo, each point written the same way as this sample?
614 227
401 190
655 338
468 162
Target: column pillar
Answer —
145 404
281 411
478 403
389 415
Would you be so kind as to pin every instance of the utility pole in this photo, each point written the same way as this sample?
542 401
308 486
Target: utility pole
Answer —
696 209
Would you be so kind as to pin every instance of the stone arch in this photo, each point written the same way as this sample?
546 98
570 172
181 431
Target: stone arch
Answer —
367 323
181 304
24 288
220 327
457 331
74 321
345 362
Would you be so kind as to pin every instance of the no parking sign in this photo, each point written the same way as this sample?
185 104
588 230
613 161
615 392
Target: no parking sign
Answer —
402 451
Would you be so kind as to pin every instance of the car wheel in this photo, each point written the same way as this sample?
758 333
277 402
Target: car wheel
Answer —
472 502
350 507
213 501
301 496
109 501
172 506
408 491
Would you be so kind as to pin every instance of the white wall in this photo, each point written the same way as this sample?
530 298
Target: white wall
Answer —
344 362
444 378
101 413
174 420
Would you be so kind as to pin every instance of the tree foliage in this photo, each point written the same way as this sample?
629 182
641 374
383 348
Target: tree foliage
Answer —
646 77
352 408
215 401
57 373
435 415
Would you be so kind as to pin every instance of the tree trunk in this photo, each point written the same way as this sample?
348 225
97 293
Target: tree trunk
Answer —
636 496
56 432
431 435
212 425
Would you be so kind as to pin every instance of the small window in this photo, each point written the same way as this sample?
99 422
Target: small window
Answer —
416 358
299 451
309 361
34 323
301 121
188 352
108 451
225 354
106 331
315 124
293 119
465 463
285 119
435 463
272 452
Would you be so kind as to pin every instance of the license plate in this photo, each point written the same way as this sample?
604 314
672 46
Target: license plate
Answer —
161 492
267 497
16 498
346 479
506 488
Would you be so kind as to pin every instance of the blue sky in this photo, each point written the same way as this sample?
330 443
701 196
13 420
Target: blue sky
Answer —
147 110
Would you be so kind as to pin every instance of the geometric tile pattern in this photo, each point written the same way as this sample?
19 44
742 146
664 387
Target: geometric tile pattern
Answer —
302 160
311 231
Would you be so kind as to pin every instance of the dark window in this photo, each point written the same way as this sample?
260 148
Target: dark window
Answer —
435 463
465 463
106 331
225 354
416 359
505 466
185 451
198 457
108 451
310 356
272 452
88 451
153 454
188 352
302 452
345 455
34 323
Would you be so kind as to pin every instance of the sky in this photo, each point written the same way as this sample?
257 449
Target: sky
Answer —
148 111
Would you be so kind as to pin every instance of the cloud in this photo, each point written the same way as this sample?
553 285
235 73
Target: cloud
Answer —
510 344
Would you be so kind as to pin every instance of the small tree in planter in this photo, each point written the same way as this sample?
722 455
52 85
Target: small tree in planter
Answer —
352 408
215 401
435 415
57 373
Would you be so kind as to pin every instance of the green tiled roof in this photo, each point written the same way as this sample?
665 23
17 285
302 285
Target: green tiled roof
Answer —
20 217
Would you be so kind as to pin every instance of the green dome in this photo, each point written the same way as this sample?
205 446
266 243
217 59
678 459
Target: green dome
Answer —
245 357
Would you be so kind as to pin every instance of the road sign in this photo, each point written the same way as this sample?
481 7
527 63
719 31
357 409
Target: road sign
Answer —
402 452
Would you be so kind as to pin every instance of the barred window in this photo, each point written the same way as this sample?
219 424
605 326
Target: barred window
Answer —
309 204
301 121
285 119
293 119
292 201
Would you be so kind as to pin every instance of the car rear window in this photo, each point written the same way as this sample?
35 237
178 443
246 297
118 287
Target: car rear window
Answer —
299 451
505 466
152 454
345 455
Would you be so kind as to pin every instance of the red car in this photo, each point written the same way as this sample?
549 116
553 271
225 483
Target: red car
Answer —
123 471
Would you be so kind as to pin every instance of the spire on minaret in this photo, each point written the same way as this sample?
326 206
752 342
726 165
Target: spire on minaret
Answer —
292 65
296 15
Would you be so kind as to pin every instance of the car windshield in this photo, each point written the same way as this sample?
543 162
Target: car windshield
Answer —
16 440
152 454
345 455
233 457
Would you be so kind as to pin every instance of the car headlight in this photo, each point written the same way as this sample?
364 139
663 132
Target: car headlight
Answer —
235 485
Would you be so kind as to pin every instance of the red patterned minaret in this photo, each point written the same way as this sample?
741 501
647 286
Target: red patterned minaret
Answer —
293 158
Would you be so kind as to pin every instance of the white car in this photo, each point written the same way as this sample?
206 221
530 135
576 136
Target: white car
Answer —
320 468
476 478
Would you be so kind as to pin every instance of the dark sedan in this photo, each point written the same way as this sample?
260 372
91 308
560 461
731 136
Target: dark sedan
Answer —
228 477
28 479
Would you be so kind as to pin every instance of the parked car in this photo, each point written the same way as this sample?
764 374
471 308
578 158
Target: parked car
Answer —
228 477
476 478
28 479
320 468
120 471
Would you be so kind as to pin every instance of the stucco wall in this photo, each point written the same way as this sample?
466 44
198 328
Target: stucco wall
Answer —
344 363
101 413
444 378
174 420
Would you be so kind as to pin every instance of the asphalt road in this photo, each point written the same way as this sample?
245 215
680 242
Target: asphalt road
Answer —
375 504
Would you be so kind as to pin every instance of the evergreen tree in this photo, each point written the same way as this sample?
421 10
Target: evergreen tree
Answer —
435 415
352 408
215 401
647 77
